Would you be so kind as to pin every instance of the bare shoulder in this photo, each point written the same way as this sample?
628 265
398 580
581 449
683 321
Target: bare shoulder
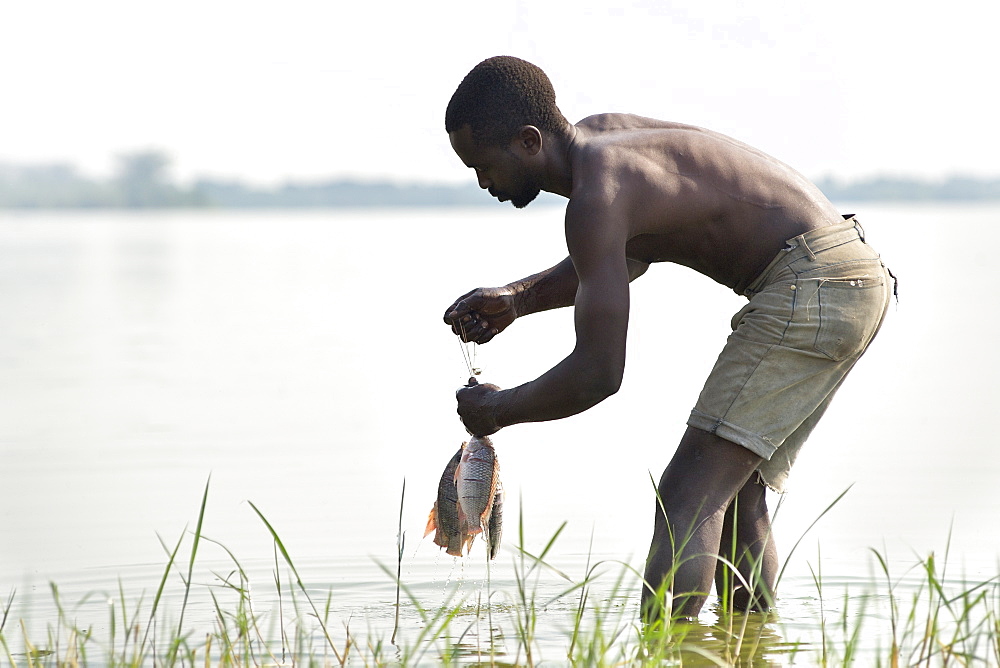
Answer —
613 122
619 158
631 133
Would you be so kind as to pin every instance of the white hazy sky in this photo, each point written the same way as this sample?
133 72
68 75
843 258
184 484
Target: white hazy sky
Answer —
266 91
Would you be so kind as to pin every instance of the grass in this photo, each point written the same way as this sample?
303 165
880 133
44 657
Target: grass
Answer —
912 615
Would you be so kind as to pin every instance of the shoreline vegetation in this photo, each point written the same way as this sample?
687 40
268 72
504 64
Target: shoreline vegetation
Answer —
917 616
142 181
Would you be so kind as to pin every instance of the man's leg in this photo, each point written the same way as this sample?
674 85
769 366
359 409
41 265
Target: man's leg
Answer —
748 543
697 486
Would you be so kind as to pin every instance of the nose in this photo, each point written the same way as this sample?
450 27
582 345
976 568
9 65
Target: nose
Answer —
484 182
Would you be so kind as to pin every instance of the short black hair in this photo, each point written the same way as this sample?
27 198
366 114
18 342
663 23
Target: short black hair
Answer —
500 95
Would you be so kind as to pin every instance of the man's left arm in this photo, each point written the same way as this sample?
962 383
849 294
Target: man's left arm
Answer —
596 236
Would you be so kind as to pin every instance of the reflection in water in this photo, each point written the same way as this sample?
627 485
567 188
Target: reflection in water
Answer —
474 635
739 639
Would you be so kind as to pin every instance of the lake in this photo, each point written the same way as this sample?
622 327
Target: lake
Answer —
297 360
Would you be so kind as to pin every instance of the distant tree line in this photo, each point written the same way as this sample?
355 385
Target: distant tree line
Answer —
900 189
338 193
141 180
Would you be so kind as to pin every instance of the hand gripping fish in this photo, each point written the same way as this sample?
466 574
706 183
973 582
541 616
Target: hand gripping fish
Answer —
470 500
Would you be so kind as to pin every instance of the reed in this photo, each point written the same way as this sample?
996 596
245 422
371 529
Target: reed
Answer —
913 612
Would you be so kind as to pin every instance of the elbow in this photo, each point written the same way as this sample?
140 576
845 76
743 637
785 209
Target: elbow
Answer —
611 386
610 383
600 386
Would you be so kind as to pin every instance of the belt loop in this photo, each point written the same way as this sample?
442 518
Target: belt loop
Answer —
802 243
860 230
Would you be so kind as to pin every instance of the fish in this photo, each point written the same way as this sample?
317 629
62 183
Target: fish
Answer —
443 519
476 479
469 501
494 528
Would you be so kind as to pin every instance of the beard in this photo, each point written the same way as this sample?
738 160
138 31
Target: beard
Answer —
525 190
524 197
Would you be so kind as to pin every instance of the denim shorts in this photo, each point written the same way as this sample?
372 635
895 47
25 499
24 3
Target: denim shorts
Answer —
811 315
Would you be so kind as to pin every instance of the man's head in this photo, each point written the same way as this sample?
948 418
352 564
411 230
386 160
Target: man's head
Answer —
500 95
495 121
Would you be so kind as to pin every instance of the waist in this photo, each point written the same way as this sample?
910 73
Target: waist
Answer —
808 245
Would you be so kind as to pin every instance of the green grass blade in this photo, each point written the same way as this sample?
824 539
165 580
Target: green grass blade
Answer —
6 608
194 553
808 529
163 583
298 580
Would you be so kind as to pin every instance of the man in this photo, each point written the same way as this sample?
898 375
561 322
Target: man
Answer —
643 191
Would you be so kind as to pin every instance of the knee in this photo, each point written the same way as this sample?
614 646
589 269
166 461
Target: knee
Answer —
752 497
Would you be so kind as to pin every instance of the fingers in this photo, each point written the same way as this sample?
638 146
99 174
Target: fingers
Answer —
468 316
458 308
465 319
473 328
488 335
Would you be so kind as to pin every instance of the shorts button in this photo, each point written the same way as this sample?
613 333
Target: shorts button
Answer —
792 287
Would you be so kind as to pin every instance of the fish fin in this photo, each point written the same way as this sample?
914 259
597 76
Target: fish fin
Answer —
431 521
484 519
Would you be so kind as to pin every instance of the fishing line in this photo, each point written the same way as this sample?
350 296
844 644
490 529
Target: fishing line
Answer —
469 355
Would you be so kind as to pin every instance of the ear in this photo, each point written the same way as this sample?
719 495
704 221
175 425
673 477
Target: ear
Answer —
529 139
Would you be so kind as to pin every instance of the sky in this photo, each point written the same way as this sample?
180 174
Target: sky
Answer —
267 92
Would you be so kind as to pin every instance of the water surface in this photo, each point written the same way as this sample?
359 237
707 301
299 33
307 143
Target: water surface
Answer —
299 360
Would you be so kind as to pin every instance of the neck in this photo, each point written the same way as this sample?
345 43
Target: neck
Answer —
559 165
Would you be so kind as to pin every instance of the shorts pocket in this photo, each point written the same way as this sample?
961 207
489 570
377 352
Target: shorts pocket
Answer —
849 312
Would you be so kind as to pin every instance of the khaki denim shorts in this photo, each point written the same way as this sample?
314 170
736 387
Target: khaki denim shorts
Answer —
811 315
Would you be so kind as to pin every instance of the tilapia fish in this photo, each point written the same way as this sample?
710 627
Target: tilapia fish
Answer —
470 500
494 527
443 519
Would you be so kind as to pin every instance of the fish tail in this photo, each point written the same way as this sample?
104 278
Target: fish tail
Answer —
455 544
467 543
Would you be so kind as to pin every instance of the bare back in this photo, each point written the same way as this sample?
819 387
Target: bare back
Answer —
693 196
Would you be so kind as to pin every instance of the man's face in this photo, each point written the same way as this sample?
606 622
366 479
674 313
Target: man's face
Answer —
498 169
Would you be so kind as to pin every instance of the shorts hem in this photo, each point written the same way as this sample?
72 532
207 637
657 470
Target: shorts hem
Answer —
755 443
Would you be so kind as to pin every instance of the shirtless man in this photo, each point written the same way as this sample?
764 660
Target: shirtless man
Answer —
643 191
